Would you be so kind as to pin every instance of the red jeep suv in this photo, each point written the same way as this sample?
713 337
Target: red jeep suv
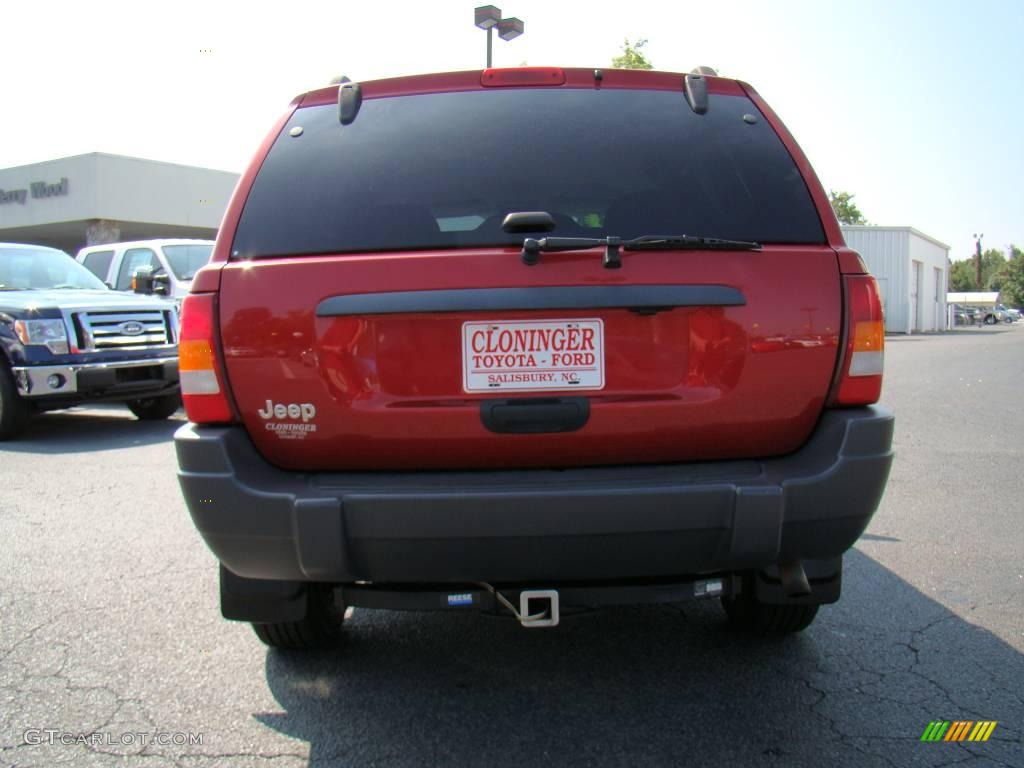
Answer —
528 339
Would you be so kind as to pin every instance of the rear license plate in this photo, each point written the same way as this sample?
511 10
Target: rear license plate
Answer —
533 356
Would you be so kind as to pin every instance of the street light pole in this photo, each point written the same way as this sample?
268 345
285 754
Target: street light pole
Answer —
487 17
977 260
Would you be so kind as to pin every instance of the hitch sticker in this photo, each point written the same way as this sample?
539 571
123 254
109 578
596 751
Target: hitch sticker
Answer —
289 421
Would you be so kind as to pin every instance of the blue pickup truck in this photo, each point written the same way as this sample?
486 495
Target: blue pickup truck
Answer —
66 339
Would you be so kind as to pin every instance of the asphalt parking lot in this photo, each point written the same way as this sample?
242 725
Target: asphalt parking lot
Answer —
111 625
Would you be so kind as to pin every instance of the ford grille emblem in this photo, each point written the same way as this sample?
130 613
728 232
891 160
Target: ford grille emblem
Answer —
131 328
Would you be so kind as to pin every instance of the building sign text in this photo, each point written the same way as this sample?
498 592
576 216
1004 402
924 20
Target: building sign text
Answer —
38 189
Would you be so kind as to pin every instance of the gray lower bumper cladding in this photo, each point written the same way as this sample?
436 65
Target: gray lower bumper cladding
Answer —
523 526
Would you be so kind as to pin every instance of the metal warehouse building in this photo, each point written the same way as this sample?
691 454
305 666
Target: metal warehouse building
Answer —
98 198
912 272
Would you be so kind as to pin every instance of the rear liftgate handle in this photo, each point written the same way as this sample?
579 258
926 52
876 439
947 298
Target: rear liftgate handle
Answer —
535 415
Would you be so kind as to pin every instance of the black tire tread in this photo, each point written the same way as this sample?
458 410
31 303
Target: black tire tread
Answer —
14 411
155 408
319 628
765 620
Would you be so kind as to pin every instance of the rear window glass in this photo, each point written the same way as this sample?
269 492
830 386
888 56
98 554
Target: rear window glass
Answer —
443 170
98 262
186 260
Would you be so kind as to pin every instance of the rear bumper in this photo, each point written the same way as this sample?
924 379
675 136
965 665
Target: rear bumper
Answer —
545 526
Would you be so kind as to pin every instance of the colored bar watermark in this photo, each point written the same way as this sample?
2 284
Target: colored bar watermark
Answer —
959 730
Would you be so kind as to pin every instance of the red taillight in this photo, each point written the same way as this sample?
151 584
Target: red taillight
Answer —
523 76
860 380
202 384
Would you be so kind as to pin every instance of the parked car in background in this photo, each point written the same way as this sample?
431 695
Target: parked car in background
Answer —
172 263
1010 315
67 339
992 315
584 374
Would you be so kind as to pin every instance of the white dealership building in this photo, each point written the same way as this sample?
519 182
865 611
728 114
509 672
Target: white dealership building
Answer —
912 270
100 198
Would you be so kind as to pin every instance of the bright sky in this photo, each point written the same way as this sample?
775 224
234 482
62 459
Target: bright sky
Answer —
915 107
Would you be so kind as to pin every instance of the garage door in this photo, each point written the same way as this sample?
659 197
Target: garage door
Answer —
915 292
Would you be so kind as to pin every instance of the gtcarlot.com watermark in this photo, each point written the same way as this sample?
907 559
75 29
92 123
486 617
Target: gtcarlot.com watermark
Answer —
54 736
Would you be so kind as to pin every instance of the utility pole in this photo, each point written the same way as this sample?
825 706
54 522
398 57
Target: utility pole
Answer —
977 260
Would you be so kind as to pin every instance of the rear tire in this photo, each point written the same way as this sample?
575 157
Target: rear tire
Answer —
155 408
14 411
321 627
745 614
990 320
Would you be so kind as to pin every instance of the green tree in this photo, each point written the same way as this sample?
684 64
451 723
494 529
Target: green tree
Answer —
632 56
961 276
997 274
994 271
1013 283
846 210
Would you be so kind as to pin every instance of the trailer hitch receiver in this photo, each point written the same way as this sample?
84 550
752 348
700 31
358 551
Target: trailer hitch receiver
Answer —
538 608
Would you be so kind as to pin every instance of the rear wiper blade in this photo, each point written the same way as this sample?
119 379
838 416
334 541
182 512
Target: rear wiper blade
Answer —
533 248
678 242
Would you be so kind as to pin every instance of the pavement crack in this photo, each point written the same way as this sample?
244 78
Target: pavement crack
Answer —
30 635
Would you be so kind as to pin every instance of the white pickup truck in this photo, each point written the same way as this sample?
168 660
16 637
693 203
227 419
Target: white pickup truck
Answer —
1009 314
171 262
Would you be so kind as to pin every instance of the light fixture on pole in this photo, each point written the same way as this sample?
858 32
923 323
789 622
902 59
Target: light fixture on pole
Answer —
488 17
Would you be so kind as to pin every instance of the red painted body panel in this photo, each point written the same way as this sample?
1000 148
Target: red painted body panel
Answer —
690 383
850 262
470 81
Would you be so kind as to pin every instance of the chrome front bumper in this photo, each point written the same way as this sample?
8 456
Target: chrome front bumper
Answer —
35 380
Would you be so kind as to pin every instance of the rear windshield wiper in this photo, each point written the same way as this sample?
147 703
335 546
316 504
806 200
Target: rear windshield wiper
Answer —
682 242
533 248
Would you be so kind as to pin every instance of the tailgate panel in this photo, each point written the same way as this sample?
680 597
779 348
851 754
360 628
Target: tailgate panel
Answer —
391 390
